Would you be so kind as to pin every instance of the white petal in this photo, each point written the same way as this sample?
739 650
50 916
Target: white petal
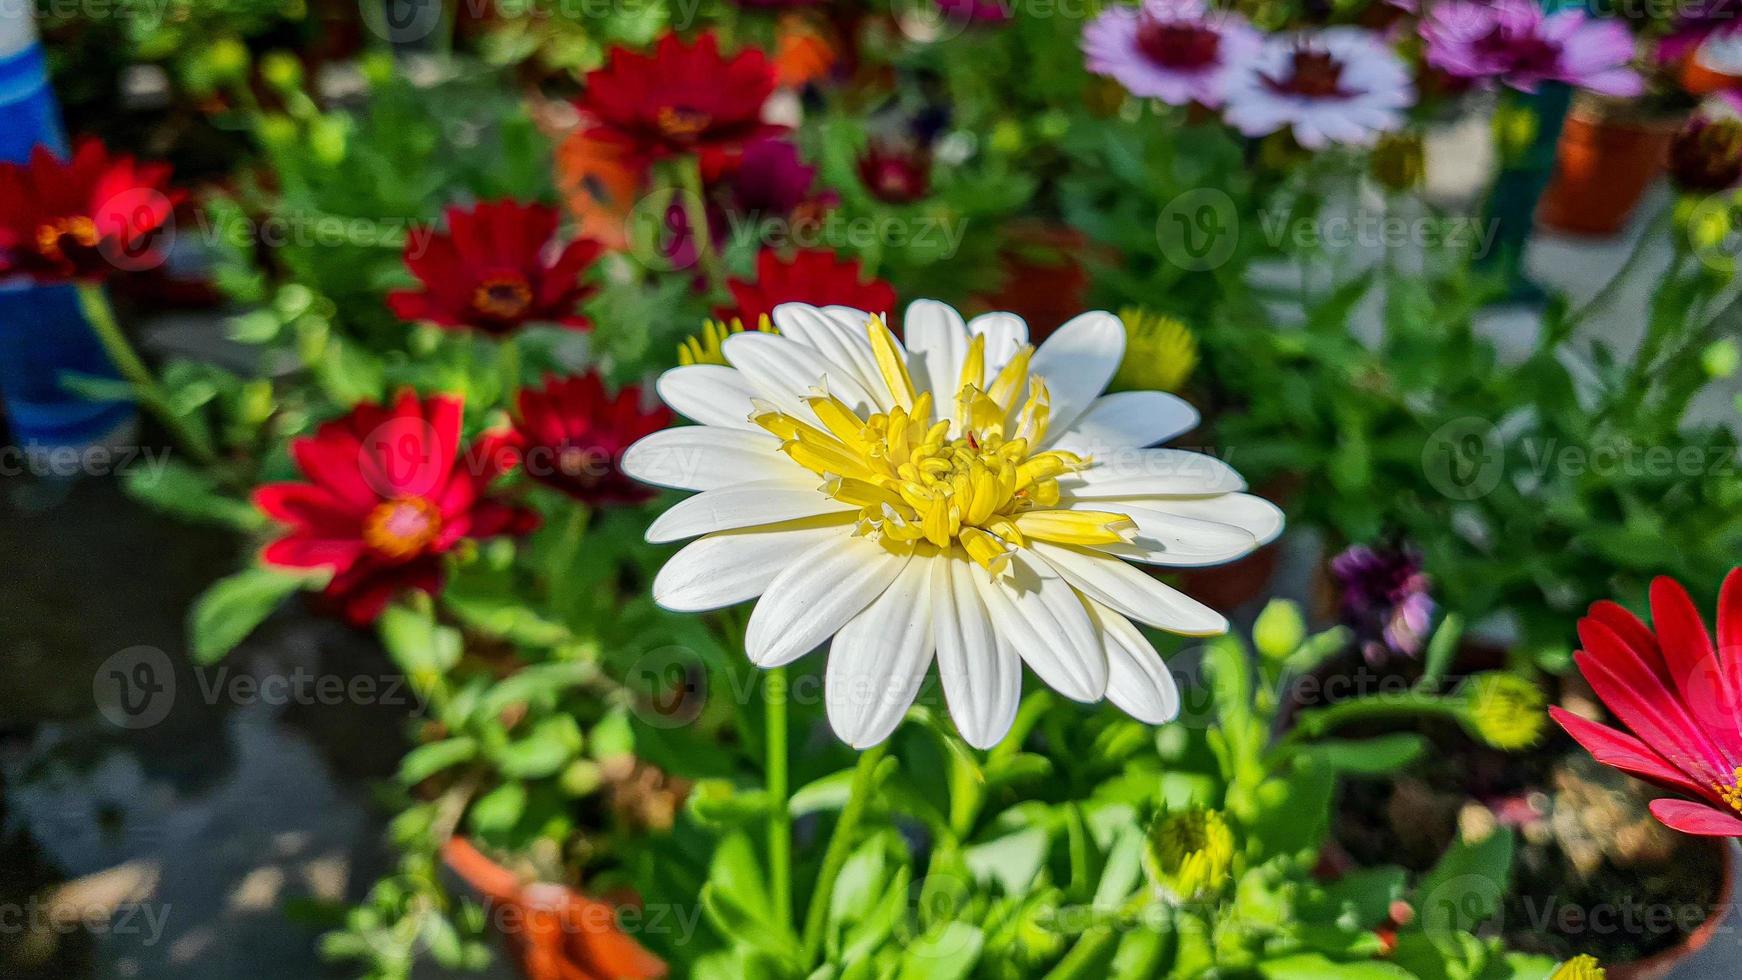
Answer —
1255 515
1005 333
980 672
1043 619
878 660
1113 583
705 457
712 394
937 343
1138 682
744 505
784 371
1166 538
1152 473
1077 361
1125 420
837 337
823 589
732 566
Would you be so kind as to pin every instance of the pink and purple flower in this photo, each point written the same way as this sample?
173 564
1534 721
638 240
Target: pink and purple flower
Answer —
1384 598
1173 50
1340 85
1514 43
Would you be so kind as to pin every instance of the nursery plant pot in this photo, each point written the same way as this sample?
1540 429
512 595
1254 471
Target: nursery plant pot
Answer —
552 931
1665 963
1608 155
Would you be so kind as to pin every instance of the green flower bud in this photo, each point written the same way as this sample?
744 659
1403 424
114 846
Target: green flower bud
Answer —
581 778
328 140
277 130
377 67
1515 129
1503 710
1721 359
1578 968
227 59
1006 137
1280 630
1191 853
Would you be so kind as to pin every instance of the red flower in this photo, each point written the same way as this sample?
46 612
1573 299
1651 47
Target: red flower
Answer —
553 931
571 434
389 492
493 271
815 276
84 218
894 173
680 99
1681 698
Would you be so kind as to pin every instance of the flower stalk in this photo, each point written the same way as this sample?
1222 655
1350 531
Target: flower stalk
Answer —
840 847
150 392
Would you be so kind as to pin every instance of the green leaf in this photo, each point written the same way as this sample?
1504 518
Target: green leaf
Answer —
548 748
182 491
1465 888
498 810
232 607
417 644
1313 966
948 952
426 760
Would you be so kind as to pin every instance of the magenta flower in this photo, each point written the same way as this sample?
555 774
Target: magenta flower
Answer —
1383 596
1340 85
1172 50
1513 42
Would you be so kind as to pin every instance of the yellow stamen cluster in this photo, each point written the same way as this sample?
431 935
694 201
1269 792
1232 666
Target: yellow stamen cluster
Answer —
1583 967
1731 794
1504 710
505 297
1191 852
402 528
1160 352
920 481
80 229
708 346
681 122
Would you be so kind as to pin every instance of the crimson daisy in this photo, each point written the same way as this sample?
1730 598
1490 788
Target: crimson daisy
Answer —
389 491
1680 697
496 269
82 218
571 435
680 99
815 276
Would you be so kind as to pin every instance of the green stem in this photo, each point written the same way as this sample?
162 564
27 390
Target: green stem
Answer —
1652 233
774 692
689 175
1320 721
508 361
1092 945
151 394
835 858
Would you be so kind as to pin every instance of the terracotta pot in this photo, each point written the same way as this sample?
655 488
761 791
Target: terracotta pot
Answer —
1663 964
553 932
1606 159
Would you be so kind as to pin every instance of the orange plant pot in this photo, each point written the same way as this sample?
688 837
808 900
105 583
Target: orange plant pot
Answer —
1603 165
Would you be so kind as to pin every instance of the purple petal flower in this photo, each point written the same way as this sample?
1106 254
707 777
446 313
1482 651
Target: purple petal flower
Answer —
1340 85
1385 600
1172 50
1513 42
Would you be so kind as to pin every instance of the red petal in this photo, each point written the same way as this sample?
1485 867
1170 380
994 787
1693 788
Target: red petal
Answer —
1624 752
1642 704
306 505
1730 630
336 466
1687 651
1696 818
297 551
1631 631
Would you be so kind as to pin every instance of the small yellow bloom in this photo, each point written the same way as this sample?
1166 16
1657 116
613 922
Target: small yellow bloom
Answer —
1504 710
1578 968
705 348
1160 352
1190 853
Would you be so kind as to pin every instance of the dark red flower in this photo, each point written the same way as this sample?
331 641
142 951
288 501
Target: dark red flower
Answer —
815 276
493 270
1679 695
571 435
680 99
389 492
894 173
85 218
1706 156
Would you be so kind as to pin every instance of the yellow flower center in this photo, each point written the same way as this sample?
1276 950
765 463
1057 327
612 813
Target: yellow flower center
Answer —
402 528
82 231
682 123
923 481
1731 794
502 297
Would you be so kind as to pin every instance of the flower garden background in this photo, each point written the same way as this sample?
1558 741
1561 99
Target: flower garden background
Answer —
845 490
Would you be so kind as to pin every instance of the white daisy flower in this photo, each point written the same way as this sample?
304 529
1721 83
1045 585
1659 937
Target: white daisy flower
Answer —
1338 85
965 496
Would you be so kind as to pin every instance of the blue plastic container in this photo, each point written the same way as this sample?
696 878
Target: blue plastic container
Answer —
42 333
